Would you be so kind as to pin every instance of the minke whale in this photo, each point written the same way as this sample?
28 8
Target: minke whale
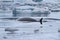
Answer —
31 20
40 20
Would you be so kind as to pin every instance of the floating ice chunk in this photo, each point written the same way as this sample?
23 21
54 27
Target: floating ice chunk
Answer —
12 30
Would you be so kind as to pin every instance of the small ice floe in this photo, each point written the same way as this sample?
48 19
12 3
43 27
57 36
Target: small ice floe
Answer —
11 30
5 37
51 25
36 31
41 26
55 10
59 31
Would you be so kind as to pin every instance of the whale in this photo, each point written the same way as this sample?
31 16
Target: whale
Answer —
31 20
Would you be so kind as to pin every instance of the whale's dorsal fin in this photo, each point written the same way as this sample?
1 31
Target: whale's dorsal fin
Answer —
41 20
